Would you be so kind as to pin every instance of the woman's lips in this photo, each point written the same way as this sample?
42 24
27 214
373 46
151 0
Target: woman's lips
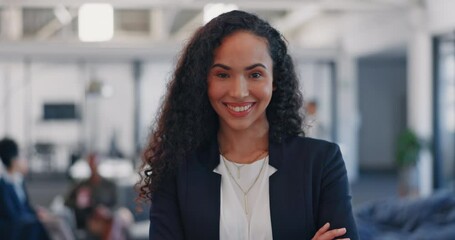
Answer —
239 109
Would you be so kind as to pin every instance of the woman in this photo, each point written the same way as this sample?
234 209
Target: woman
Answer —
227 158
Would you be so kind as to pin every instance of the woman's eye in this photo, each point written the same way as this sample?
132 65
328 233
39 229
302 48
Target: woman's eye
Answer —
256 75
222 75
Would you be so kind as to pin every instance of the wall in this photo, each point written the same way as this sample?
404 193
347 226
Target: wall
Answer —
348 113
12 105
382 104
410 30
116 112
440 16
155 76
25 87
366 33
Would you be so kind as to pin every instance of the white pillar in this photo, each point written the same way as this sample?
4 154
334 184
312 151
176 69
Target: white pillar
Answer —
5 86
420 97
348 114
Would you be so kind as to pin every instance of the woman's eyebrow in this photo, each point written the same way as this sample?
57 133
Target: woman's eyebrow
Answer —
221 66
247 68
256 65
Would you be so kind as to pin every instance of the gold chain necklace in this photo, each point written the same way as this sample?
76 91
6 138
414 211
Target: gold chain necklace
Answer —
245 193
241 166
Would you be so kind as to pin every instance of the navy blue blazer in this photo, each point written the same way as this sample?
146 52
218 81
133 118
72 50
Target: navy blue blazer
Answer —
309 188
18 220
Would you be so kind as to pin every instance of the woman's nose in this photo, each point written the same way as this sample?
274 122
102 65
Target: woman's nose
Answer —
239 87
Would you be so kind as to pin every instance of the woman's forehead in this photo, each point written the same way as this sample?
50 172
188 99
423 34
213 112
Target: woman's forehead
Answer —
242 48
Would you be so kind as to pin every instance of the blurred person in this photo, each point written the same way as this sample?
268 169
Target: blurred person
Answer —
75 155
86 196
315 127
18 219
104 225
228 158
114 149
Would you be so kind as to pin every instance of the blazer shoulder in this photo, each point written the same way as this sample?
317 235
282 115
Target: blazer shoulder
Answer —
311 144
311 152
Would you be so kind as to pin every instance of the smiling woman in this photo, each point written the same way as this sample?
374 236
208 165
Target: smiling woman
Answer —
240 82
227 158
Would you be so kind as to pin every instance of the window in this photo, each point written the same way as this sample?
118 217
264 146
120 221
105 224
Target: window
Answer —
444 110
60 111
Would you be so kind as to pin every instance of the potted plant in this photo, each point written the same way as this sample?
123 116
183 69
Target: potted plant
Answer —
407 156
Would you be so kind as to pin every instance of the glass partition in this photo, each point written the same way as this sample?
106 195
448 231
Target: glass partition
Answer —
444 110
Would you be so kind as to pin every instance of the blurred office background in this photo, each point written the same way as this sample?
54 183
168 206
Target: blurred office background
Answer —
77 77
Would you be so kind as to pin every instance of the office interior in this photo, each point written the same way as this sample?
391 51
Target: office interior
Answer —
376 70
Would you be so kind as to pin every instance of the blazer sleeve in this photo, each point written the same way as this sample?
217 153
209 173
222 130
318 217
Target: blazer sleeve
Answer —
335 200
11 210
165 217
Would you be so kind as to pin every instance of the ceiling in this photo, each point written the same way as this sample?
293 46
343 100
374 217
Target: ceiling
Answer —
168 22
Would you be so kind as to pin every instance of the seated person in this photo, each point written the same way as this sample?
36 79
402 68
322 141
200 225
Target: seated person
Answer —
18 220
89 194
103 224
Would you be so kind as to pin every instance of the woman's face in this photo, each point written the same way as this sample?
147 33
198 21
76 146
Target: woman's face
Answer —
240 81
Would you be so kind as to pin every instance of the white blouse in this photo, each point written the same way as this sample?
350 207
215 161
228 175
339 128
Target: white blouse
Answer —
245 217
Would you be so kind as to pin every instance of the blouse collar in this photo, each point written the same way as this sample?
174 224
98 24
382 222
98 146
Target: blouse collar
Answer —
210 156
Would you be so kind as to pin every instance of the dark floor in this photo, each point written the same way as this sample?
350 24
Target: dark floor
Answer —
43 188
372 186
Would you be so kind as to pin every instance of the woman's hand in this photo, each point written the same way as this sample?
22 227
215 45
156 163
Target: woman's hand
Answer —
325 234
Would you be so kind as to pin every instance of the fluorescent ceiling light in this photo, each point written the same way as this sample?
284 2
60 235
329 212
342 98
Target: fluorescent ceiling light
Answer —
213 10
96 22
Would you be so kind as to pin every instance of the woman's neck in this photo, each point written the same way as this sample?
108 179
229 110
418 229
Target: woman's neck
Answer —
244 146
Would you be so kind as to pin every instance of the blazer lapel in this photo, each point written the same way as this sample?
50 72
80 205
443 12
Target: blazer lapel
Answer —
205 194
287 195
276 190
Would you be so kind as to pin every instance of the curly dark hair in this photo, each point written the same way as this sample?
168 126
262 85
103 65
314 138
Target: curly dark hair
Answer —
187 121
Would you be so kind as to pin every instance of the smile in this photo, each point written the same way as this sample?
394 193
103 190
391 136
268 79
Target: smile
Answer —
240 108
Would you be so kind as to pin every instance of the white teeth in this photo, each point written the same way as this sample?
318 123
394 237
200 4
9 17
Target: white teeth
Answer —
239 109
